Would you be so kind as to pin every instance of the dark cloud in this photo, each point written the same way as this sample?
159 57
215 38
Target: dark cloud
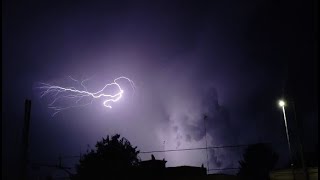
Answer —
188 137
214 159
227 60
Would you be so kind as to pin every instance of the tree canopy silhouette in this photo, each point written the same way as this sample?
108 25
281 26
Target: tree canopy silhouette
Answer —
258 161
112 159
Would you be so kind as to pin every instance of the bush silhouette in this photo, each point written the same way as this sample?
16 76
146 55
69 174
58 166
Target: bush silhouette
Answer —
113 158
258 161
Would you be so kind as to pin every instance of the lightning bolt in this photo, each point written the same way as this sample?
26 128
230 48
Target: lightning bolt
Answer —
62 93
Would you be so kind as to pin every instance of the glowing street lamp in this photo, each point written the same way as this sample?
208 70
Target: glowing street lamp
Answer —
282 104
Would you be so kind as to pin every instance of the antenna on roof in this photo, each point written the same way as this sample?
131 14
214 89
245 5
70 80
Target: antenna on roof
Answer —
205 131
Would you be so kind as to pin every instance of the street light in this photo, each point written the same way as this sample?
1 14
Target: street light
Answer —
282 104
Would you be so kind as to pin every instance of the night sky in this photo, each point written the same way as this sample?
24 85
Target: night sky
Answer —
229 60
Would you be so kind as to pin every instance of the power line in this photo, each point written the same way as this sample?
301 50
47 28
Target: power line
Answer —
217 169
185 149
200 148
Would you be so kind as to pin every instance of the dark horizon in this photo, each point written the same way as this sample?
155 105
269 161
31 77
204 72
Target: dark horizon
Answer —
227 61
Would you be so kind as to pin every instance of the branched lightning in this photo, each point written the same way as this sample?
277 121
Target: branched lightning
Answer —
64 93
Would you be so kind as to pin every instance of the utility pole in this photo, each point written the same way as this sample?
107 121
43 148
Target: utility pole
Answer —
299 134
25 140
205 131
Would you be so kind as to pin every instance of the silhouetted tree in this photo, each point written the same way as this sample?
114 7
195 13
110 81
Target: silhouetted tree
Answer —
258 161
113 159
310 159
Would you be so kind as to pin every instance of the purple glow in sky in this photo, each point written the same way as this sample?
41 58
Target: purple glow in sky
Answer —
230 61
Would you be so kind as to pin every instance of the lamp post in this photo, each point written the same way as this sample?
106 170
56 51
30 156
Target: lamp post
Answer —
282 104
305 171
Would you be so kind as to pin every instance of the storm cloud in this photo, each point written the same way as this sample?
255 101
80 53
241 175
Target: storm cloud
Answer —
205 73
